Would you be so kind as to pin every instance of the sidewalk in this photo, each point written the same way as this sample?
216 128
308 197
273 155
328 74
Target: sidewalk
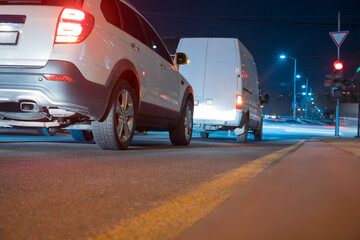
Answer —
349 145
311 194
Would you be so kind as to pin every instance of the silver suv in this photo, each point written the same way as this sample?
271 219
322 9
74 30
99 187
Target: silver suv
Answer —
91 66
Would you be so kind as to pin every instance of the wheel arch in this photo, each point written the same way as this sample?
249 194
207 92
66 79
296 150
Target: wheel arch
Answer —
188 95
123 70
245 115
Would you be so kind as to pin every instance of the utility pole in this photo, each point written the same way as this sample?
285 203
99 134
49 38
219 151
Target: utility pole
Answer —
294 102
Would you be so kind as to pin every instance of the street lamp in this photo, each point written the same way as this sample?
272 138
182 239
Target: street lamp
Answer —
294 101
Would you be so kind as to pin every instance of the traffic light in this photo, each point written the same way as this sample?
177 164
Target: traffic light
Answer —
337 78
338 65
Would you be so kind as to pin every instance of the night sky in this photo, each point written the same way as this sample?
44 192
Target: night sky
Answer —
299 29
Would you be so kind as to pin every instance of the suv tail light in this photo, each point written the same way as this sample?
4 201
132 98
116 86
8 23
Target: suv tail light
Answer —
61 78
239 102
74 26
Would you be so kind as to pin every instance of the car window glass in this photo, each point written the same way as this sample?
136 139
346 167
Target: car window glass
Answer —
132 23
111 13
154 42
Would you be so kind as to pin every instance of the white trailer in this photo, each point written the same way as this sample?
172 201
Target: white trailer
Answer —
223 75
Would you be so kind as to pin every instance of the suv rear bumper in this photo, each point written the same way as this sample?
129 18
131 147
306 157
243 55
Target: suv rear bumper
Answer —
18 84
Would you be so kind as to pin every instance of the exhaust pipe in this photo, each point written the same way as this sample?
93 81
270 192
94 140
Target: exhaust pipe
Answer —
29 107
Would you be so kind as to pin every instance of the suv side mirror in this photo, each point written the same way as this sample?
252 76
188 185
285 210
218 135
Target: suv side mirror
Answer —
181 58
266 99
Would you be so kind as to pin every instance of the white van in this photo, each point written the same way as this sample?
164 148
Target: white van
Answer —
223 75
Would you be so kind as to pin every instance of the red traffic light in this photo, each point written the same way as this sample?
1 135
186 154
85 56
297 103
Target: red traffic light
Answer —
338 65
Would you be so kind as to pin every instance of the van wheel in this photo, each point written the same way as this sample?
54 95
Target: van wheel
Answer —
182 133
117 130
47 131
258 133
204 135
243 137
82 135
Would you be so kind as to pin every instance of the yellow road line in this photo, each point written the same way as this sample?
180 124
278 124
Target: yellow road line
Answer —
168 220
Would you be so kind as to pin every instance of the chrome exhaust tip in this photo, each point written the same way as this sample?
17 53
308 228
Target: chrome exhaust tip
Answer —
29 107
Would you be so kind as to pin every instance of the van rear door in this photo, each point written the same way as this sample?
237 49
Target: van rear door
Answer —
212 72
194 72
220 85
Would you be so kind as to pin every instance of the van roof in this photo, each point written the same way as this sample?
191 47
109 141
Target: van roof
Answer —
241 45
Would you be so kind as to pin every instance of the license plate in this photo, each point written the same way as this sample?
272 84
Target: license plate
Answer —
9 38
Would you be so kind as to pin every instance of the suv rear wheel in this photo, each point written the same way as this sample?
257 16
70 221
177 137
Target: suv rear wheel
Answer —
182 133
117 130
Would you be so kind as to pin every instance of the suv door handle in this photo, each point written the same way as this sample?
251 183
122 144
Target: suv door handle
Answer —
135 47
163 66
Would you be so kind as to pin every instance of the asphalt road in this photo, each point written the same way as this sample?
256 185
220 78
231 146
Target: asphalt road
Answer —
56 188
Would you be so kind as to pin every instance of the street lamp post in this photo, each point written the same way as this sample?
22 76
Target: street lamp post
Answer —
306 96
294 101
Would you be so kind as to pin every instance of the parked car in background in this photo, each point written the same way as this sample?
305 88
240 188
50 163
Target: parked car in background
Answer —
90 65
226 85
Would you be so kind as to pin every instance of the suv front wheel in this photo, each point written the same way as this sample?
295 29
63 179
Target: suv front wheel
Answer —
117 130
181 134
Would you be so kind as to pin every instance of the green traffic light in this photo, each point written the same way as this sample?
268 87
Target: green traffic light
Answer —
358 70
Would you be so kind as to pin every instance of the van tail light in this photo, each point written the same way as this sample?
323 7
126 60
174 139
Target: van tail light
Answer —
239 102
73 26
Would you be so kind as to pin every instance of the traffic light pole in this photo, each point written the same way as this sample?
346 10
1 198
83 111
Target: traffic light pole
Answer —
338 49
337 99
337 118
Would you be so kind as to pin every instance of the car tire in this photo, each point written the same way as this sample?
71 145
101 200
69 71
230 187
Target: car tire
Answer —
258 133
117 130
182 133
82 135
243 137
204 135
47 131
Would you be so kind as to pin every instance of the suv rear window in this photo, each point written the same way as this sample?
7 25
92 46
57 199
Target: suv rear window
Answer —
61 3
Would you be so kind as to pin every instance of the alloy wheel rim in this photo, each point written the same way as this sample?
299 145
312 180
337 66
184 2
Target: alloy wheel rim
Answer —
188 122
124 115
